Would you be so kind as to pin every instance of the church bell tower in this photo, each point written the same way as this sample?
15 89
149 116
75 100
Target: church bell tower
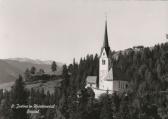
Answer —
104 60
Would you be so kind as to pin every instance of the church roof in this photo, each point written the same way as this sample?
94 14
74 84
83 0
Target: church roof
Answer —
106 43
91 79
109 76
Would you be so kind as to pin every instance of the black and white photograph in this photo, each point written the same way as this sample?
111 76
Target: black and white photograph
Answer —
83 59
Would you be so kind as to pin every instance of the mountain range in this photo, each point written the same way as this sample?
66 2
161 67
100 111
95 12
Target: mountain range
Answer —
12 67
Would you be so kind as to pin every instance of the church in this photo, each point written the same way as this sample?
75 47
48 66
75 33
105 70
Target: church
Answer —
106 81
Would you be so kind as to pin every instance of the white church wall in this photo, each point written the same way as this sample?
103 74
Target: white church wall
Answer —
103 68
99 92
108 85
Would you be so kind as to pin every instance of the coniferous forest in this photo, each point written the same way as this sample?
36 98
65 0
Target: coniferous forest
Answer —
145 68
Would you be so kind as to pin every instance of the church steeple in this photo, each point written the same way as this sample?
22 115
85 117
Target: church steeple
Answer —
106 44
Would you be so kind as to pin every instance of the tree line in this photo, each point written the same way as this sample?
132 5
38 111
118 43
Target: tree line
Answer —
32 74
145 69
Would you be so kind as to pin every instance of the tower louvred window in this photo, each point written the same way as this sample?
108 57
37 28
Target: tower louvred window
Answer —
103 62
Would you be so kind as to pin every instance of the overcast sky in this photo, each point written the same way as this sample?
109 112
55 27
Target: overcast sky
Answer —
62 29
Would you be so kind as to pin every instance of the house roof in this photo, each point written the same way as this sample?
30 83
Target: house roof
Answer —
91 79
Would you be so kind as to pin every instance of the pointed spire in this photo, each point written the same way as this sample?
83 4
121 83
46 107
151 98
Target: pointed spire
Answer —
106 44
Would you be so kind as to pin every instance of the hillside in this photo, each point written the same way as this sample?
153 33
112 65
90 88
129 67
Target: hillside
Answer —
47 86
11 68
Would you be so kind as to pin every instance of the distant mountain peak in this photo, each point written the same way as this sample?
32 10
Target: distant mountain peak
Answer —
34 61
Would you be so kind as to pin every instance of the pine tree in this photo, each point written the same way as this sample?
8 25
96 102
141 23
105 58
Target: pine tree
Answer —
27 74
33 70
54 66
106 111
19 96
5 110
65 72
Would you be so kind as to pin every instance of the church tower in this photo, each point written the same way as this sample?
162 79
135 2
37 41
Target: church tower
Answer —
104 61
106 80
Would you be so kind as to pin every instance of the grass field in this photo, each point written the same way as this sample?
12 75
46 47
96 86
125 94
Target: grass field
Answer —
48 85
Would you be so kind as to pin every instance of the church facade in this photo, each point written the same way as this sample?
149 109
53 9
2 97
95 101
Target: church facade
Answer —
106 79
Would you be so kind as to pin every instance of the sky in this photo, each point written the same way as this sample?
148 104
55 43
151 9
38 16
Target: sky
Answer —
61 30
